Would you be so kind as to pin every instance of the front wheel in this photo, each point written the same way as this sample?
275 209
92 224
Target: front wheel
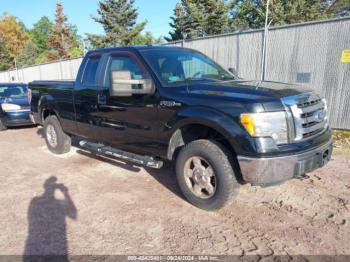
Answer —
205 175
57 141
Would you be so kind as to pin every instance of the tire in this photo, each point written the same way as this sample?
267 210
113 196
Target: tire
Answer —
57 141
3 127
222 189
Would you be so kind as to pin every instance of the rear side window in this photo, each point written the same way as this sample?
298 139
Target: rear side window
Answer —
90 73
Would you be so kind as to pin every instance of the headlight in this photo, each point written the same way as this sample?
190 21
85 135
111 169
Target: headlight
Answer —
326 110
10 107
271 124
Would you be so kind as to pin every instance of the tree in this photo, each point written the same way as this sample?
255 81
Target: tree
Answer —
28 55
195 18
146 39
12 35
251 13
40 33
178 24
6 61
118 18
61 38
340 7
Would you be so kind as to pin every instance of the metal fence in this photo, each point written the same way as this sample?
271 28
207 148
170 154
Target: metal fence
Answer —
307 54
60 70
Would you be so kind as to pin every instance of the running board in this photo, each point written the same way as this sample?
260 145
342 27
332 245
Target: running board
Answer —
117 153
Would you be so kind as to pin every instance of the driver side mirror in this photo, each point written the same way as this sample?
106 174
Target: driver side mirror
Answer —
234 72
123 85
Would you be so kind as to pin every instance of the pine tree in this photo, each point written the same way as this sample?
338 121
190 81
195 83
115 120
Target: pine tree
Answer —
61 39
217 20
178 24
247 14
118 18
195 18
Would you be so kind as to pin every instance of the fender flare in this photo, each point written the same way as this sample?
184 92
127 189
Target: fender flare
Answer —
46 102
221 123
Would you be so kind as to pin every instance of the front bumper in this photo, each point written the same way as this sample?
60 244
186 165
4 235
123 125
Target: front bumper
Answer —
275 170
17 118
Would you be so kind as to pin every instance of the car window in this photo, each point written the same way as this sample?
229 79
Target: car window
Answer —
13 91
195 66
90 76
123 63
175 67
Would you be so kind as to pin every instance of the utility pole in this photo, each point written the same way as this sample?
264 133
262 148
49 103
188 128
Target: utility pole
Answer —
16 70
266 32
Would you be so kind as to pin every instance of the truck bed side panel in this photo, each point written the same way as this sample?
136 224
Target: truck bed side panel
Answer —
54 97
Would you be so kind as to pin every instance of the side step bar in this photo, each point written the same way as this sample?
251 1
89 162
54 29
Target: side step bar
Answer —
117 153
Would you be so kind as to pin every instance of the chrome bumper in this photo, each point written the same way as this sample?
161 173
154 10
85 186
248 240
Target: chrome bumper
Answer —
274 170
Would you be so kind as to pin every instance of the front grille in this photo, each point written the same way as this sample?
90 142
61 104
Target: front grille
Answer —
307 116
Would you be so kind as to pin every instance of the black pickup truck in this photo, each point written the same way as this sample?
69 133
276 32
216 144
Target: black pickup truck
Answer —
153 104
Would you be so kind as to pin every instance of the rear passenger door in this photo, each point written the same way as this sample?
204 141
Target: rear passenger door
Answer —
86 97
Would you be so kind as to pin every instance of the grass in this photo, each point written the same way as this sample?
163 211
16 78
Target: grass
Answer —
342 138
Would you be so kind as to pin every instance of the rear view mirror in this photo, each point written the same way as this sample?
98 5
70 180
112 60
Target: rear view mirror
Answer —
123 85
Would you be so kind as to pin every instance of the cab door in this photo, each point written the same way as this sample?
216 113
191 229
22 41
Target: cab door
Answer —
128 122
86 97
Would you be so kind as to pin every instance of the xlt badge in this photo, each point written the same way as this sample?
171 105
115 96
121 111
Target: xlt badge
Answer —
169 103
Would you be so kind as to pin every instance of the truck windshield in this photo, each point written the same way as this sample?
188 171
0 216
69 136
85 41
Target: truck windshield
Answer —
12 91
174 67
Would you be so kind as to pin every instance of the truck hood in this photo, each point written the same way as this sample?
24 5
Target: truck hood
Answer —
21 101
250 90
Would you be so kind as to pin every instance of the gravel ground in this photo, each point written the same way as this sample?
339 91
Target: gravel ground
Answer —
81 204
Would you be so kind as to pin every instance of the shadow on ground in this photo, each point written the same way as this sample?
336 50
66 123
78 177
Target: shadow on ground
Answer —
47 215
165 176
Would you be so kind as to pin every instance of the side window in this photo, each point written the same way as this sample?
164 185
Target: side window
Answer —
90 72
123 63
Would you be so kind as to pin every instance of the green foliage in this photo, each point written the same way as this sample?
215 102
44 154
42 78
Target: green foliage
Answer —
178 24
46 41
147 39
340 7
28 55
118 18
42 58
195 18
6 61
40 32
75 52
247 14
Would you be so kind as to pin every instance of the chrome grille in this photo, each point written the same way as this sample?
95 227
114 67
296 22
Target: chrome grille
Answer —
307 116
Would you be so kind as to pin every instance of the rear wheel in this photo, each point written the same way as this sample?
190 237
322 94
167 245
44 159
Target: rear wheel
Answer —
57 141
205 175
2 126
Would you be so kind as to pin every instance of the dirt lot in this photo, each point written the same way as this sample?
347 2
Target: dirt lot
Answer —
109 207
